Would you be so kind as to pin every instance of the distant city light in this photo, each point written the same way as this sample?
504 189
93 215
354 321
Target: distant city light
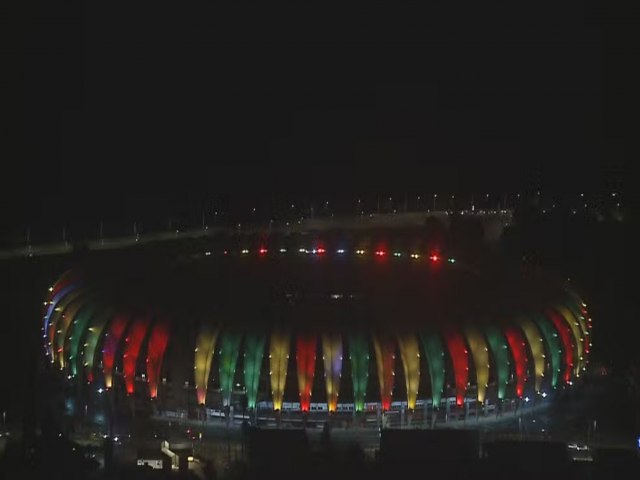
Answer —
526 399
283 250
340 251
544 394
244 251
451 260
359 252
380 253
262 251
397 254
434 257
415 255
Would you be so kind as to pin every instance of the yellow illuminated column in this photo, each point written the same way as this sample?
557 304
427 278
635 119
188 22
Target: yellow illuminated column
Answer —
278 361
410 355
536 345
205 348
480 355
332 358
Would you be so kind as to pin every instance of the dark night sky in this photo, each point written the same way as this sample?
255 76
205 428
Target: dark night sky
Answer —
130 106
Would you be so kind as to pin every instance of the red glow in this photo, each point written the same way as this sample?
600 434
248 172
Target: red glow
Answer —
262 251
111 342
320 250
132 346
388 350
460 359
380 253
306 363
155 352
434 257
565 335
519 353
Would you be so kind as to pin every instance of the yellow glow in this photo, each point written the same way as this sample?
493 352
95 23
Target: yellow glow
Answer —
480 355
278 360
205 347
534 339
410 355
332 356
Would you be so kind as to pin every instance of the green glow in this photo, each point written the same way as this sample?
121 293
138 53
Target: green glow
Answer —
434 351
359 357
553 345
78 328
229 349
94 332
253 352
498 346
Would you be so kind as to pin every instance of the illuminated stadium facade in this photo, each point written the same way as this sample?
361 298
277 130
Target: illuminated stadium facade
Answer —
315 328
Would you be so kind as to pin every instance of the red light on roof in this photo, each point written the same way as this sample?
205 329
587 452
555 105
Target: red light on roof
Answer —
262 251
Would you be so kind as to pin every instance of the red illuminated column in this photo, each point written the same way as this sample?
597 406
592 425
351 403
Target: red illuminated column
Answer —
460 359
567 343
306 364
519 352
158 341
112 339
133 344
384 347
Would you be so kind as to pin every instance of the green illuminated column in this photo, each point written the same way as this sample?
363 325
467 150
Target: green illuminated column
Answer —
253 353
553 346
78 328
359 358
434 351
500 351
94 332
229 349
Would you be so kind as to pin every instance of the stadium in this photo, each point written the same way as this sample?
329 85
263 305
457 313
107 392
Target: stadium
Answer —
314 328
